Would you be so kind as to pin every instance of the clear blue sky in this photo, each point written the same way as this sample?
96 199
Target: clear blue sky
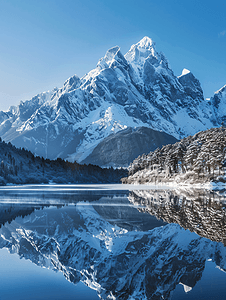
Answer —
43 42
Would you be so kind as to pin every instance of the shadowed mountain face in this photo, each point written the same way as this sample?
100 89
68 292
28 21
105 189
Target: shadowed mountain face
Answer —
116 249
121 148
135 90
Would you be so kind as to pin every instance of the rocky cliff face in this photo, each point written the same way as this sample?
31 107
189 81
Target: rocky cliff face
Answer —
135 90
109 253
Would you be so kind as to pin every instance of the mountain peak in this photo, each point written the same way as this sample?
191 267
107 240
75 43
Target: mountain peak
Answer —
146 43
111 53
141 50
112 56
71 83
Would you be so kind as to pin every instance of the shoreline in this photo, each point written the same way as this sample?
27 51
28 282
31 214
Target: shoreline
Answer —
114 186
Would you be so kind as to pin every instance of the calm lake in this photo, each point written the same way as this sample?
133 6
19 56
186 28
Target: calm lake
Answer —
111 242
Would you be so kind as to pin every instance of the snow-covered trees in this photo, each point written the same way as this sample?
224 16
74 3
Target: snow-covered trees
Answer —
197 158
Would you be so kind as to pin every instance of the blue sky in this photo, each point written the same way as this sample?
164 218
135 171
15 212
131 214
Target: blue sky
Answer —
44 42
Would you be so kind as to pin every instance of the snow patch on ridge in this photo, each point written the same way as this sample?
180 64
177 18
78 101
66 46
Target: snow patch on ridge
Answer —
184 72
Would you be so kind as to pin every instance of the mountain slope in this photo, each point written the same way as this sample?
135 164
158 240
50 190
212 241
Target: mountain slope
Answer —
135 90
121 148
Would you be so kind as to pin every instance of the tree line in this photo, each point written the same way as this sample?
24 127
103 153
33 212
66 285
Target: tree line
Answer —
20 166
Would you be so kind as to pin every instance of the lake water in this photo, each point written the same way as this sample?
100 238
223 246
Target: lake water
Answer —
111 242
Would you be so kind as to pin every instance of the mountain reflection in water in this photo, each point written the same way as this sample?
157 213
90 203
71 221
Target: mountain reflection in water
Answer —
124 245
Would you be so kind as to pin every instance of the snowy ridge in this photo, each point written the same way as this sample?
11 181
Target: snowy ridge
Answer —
219 105
138 89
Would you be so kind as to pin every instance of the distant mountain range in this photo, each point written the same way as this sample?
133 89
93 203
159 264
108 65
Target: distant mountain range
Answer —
138 90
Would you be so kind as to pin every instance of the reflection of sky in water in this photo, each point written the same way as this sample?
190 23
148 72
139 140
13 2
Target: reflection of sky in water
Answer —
21 279
109 218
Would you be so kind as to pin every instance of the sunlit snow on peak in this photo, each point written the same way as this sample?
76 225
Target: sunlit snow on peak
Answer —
140 51
111 55
185 72
146 42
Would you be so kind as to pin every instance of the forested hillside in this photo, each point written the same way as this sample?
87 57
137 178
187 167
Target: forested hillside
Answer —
195 159
20 166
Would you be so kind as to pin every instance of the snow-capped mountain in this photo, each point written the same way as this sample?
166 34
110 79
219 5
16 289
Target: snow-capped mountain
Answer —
119 263
135 90
219 105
